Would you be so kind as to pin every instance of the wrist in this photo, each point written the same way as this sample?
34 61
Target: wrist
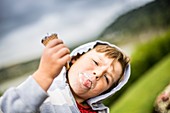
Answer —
42 79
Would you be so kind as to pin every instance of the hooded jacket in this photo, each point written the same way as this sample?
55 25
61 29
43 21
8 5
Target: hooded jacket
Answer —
29 97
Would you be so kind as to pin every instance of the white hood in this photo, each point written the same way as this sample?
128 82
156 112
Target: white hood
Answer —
84 48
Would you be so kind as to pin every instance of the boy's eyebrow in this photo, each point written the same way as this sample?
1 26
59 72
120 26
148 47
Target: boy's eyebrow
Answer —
100 58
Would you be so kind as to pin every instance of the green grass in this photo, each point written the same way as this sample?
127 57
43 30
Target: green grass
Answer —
140 97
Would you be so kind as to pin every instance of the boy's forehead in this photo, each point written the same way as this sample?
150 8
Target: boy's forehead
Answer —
98 55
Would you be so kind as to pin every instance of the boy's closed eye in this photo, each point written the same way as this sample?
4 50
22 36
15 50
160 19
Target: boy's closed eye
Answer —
107 80
96 63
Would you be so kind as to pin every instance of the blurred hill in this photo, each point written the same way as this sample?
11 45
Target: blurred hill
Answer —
149 19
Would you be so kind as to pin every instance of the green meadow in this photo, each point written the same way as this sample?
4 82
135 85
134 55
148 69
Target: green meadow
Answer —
140 97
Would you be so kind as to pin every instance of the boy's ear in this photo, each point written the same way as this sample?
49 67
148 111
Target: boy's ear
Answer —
73 60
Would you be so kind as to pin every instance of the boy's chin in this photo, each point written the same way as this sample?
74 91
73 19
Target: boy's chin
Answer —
78 92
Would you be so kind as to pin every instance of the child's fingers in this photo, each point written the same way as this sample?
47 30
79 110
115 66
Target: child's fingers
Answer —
62 52
54 42
56 48
63 55
65 59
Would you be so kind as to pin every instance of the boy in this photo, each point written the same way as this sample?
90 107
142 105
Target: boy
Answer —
97 70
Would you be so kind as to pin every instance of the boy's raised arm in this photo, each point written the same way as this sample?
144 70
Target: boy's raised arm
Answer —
54 57
29 96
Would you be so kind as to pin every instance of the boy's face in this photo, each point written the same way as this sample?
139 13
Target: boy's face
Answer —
92 74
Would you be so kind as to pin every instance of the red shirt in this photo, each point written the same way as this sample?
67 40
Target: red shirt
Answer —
86 109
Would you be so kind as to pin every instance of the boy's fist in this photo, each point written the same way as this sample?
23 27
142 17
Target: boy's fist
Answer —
55 55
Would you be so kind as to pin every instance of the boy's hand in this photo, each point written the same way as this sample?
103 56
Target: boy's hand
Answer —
54 57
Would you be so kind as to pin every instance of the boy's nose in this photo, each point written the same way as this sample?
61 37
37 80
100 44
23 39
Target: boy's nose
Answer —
97 75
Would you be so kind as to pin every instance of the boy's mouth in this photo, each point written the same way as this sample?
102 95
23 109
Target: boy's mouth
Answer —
85 80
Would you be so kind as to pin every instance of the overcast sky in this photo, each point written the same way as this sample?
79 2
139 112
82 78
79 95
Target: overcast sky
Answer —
24 23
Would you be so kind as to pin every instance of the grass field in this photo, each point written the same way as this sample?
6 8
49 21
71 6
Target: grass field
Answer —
140 97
